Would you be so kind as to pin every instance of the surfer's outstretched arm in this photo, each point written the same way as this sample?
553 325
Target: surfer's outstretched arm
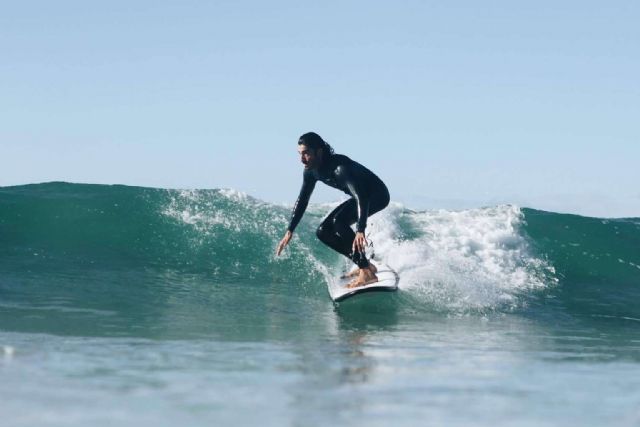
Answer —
308 184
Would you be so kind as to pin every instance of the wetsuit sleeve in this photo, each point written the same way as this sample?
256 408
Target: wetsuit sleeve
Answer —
308 184
359 192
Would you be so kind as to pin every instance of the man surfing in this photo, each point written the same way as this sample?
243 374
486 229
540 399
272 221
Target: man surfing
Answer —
368 196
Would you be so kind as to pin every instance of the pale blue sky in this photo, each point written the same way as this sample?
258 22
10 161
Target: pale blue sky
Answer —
453 104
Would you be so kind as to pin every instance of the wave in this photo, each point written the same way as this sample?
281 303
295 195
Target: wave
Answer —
493 258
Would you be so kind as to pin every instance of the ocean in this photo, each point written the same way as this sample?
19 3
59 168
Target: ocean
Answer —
138 306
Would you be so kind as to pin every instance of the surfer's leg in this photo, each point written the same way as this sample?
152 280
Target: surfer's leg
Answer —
342 222
328 234
344 219
366 276
335 231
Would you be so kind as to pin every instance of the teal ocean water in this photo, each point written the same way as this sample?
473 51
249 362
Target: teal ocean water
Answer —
137 306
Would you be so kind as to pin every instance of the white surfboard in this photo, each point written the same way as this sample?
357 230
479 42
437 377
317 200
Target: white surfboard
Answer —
387 282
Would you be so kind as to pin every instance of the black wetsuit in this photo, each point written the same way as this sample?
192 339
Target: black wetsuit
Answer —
369 195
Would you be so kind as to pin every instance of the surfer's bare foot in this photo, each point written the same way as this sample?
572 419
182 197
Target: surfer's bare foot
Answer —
365 277
356 272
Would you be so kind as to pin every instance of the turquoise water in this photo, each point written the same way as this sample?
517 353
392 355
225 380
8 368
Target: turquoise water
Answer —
139 306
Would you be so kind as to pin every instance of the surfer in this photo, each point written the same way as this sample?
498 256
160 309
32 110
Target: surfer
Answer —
368 196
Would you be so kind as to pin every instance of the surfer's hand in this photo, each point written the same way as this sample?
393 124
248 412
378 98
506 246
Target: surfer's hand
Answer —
284 242
359 243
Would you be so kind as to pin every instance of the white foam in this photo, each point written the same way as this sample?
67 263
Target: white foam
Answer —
471 259
197 208
233 194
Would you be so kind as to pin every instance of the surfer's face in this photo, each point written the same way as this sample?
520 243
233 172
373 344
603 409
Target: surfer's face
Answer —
310 158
